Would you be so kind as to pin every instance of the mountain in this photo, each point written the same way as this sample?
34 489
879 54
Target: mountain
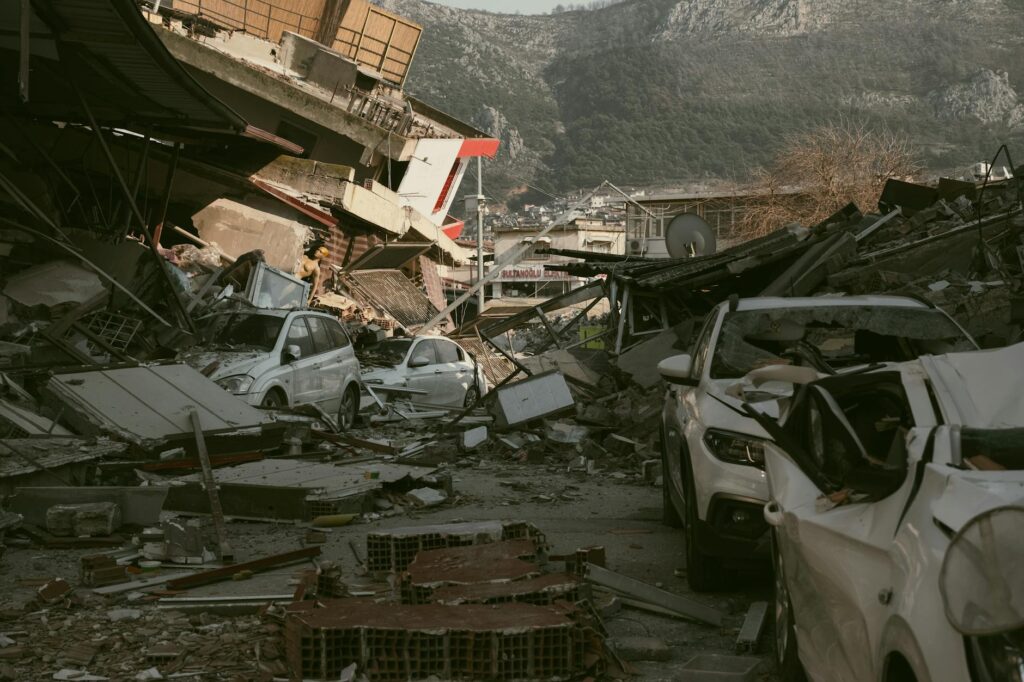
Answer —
656 92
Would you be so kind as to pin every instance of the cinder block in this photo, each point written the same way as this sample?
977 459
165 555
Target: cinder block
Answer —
93 519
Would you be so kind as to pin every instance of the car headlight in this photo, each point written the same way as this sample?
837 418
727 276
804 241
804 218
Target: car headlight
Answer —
237 384
735 448
997 658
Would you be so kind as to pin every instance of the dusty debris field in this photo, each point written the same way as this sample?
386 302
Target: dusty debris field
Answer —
130 636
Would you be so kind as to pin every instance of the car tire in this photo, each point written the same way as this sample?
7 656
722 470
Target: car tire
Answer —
273 400
348 411
472 396
703 572
787 657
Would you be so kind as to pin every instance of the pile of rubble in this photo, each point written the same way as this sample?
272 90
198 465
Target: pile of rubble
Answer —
957 245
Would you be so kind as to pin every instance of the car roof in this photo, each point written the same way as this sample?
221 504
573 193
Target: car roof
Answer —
777 302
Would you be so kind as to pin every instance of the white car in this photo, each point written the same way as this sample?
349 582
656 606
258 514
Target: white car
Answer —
440 370
713 453
897 515
279 358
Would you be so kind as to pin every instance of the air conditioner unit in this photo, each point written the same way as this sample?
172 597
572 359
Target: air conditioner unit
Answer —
635 247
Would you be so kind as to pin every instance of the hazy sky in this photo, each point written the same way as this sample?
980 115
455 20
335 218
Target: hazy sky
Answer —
521 6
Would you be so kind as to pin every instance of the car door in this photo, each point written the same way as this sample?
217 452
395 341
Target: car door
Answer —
422 378
328 365
346 355
305 380
836 559
453 374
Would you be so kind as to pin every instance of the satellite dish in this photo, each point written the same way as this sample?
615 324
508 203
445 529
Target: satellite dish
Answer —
689 235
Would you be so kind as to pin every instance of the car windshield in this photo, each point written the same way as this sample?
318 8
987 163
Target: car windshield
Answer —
387 353
246 330
831 338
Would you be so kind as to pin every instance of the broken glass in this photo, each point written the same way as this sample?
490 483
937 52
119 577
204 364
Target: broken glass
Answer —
831 337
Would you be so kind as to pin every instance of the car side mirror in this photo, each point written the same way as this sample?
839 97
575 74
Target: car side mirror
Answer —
291 354
419 361
677 369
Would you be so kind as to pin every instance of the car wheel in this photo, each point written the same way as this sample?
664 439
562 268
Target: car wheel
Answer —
472 396
703 572
273 400
348 410
787 660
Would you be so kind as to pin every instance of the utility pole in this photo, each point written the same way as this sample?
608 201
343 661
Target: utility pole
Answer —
480 232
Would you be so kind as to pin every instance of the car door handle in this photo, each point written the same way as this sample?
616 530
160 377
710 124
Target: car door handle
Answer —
773 513
438 371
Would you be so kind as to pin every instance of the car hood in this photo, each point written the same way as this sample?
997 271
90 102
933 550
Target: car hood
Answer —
970 493
219 363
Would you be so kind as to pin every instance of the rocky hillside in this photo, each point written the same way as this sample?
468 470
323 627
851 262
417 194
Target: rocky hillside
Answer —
671 91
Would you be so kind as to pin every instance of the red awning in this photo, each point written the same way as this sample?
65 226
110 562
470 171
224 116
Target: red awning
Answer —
453 230
479 146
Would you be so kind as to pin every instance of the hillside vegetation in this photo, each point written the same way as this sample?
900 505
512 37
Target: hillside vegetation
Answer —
648 92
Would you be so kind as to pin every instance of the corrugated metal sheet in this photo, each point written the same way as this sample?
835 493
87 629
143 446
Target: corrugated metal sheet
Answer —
391 291
110 52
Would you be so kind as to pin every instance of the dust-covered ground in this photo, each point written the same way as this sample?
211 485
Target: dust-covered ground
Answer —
123 636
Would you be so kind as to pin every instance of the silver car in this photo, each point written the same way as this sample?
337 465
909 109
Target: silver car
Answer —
440 370
279 358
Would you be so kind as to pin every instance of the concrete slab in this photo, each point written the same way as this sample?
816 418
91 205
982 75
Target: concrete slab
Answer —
150 405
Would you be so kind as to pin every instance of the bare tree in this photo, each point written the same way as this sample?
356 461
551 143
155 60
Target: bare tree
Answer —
827 168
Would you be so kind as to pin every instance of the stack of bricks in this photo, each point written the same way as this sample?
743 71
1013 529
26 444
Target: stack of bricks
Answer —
98 570
394 643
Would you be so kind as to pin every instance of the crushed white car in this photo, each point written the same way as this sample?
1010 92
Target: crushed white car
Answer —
713 453
897 516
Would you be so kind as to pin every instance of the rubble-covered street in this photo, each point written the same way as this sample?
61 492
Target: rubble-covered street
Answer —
266 413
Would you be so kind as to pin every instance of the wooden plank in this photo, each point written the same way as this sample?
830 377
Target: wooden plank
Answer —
210 483
648 593
217 575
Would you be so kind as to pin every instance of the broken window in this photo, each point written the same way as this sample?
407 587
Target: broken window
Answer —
387 353
246 330
992 449
851 433
829 338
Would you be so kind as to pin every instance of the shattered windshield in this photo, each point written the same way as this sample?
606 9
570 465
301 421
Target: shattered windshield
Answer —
387 353
831 338
247 330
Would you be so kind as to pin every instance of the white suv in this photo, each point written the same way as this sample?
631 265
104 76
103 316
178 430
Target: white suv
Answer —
713 453
280 358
